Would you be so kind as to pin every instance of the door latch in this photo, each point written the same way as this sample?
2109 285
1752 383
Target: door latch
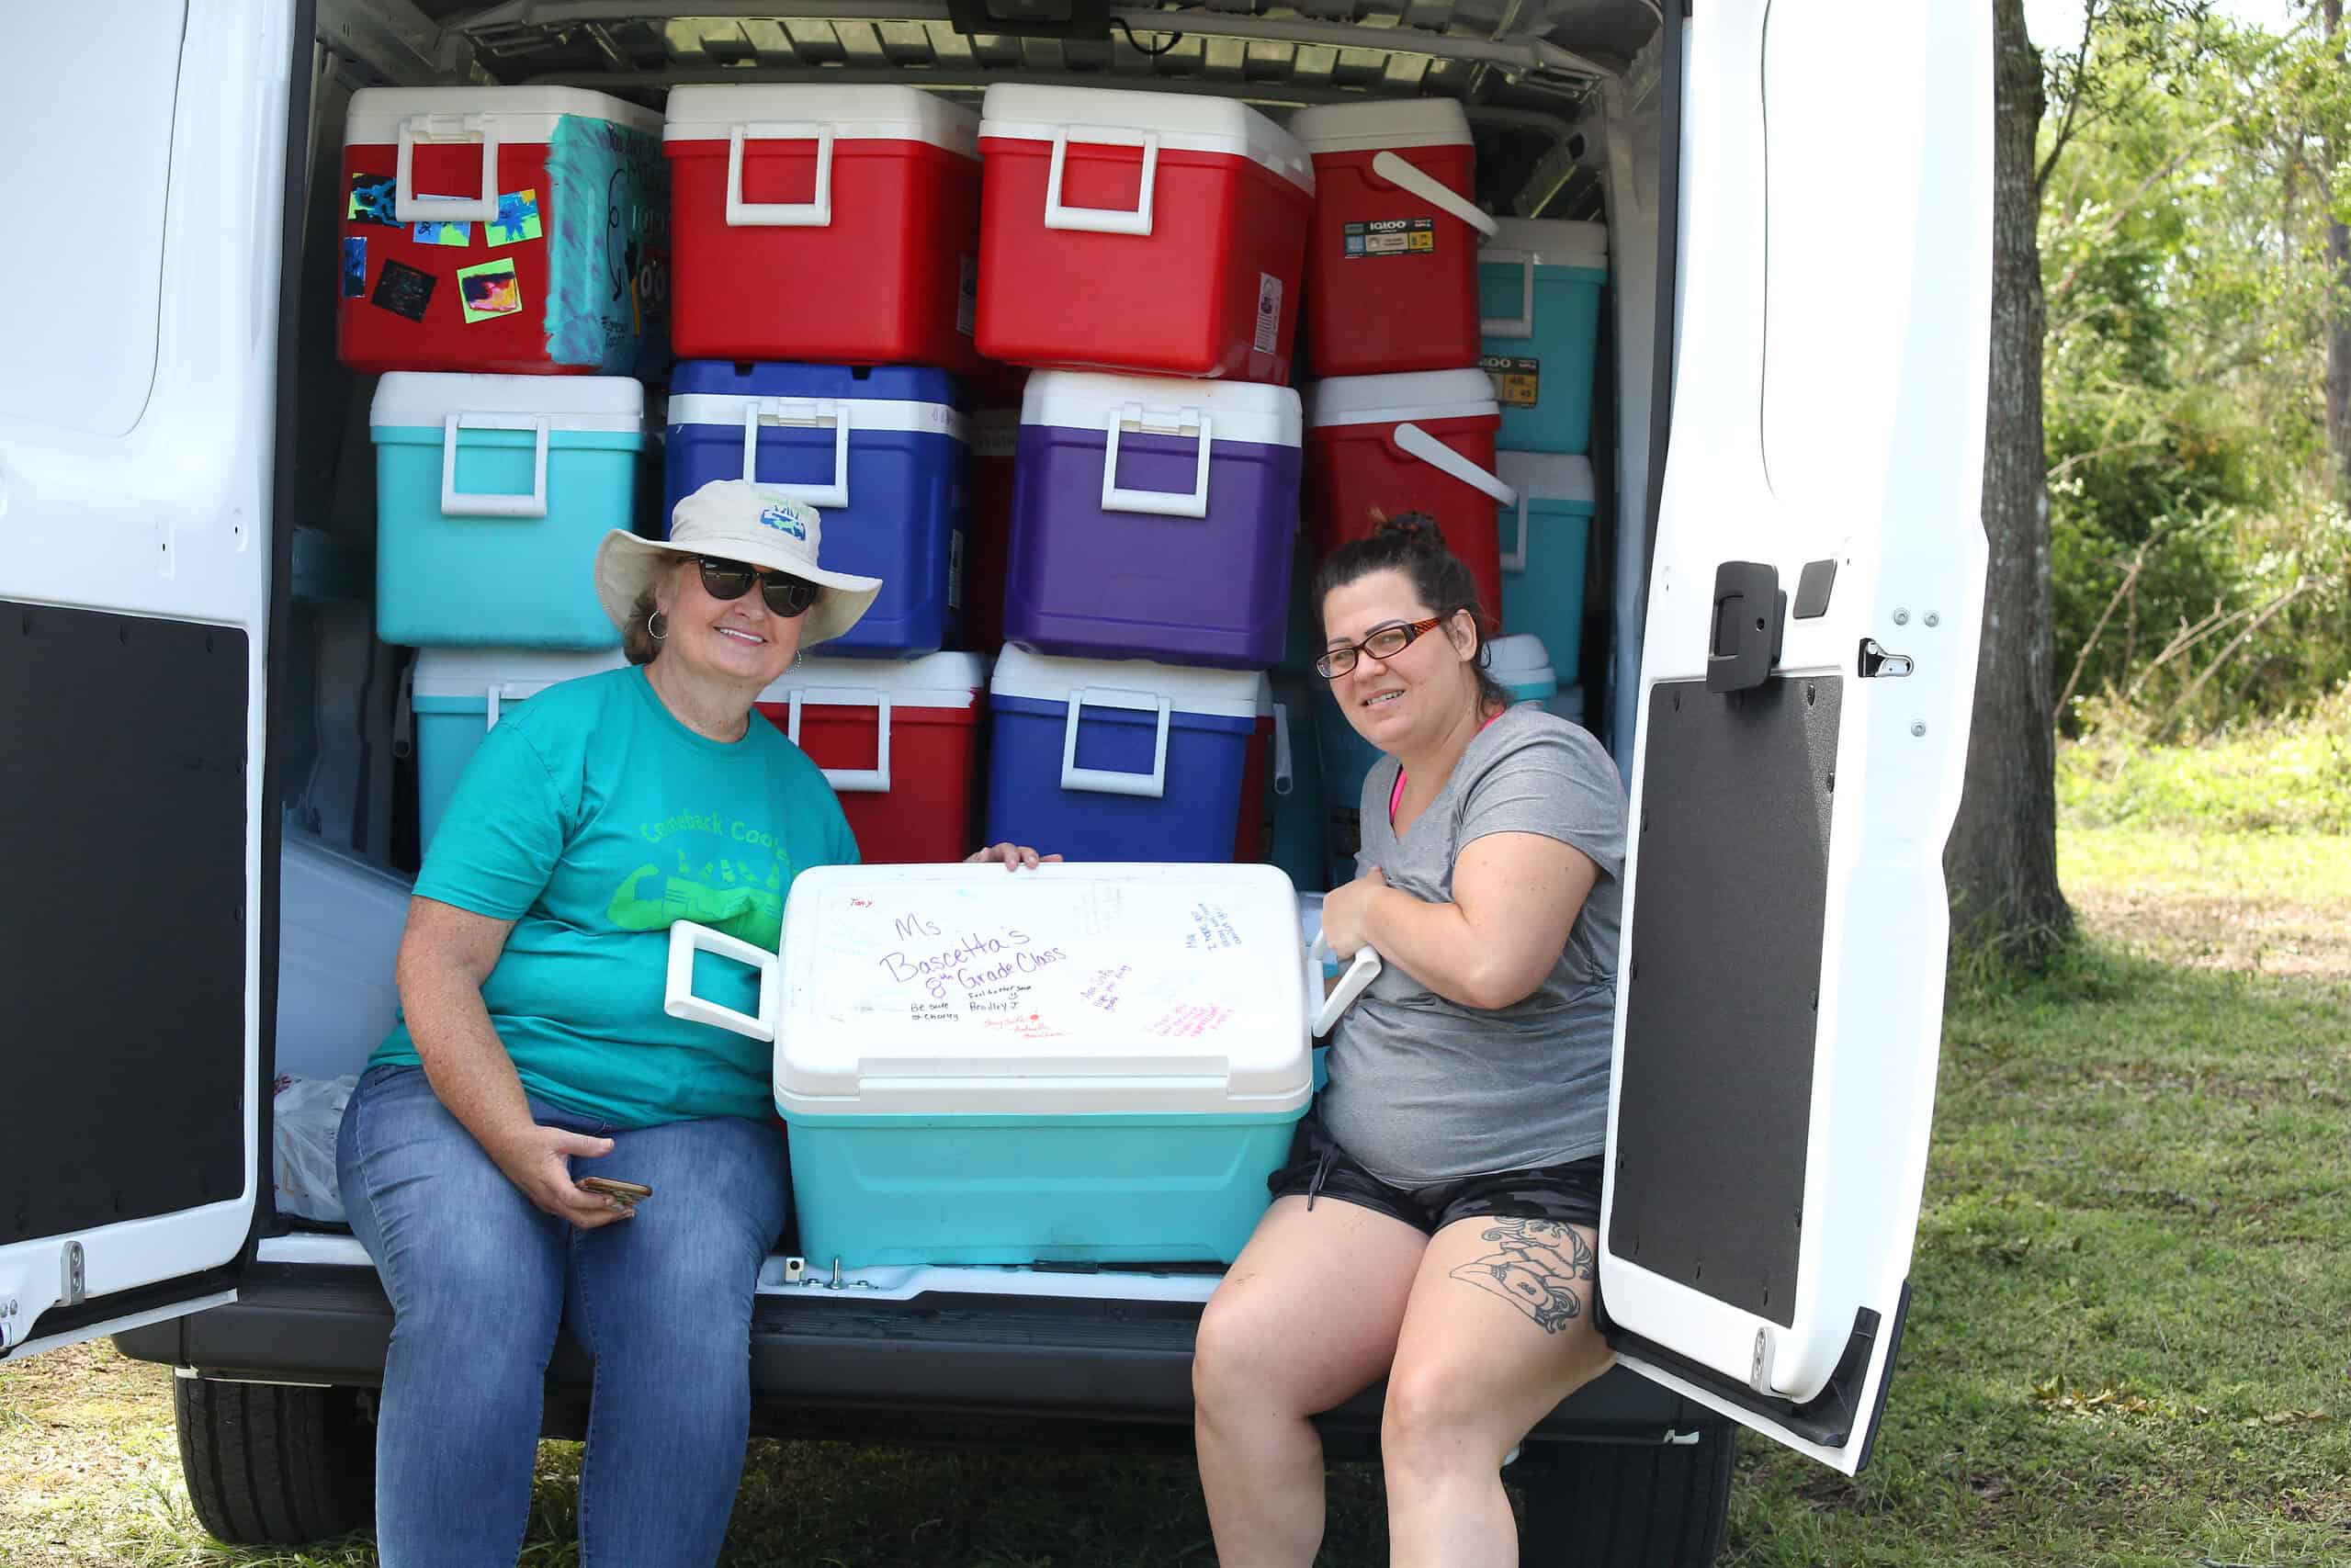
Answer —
74 1284
1877 662
1750 613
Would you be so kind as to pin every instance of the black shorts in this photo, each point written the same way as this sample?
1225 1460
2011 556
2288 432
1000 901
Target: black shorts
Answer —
1568 1194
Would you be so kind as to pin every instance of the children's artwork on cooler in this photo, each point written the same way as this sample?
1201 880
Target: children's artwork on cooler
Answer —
403 290
355 267
517 219
432 232
371 200
489 290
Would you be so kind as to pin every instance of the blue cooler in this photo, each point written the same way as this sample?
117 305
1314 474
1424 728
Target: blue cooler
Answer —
1522 668
1539 292
491 495
456 696
1117 760
1544 539
881 454
1298 821
1097 1063
1153 518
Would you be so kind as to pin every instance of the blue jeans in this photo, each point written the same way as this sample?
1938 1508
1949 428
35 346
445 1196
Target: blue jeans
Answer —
480 1282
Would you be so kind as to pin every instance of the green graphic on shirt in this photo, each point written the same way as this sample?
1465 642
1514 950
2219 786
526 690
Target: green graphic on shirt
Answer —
725 896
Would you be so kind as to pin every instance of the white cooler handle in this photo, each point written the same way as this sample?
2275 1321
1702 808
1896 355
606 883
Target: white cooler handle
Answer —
1415 442
1405 174
1354 983
1516 560
493 694
800 411
678 999
410 207
1109 781
457 504
1102 219
816 214
855 781
1162 502
1524 326
1283 777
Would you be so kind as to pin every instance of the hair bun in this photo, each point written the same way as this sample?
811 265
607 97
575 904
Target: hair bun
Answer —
1416 527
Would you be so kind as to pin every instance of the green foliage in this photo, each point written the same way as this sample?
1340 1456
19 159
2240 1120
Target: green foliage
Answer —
2266 777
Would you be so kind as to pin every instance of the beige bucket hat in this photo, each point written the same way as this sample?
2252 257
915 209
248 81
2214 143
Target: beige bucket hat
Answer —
735 520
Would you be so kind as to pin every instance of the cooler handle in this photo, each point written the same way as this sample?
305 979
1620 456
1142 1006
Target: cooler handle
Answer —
816 214
458 504
409 207
1354 983
677 996
788 411
1161 502
1500 326
1102 219
1516 560
1283 777
1407 175
1415 442
855 781
1108 780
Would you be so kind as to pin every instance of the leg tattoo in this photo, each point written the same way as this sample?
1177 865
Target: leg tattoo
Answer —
1531 1268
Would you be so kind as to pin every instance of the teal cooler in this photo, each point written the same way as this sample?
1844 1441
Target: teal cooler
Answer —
1298 810
1097 1063
1522 667
1539 299
491 495
1346 760
458 694
1545 539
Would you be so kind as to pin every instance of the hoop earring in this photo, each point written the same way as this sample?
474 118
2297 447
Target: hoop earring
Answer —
656 626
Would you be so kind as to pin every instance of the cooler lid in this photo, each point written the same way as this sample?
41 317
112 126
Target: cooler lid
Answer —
1187 122
1518 659
1547 475
473 672
1547 242
1237 410
1368 128
1069 989
934 680
852 114
1217 694
515 114
733 409
568 402
1391 400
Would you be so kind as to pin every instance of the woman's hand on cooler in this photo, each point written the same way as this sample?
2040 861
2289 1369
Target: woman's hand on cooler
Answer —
1347 913
538 1159
1013 857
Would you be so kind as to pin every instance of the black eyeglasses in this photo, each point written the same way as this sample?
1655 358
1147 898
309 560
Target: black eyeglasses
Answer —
786 596
1384 643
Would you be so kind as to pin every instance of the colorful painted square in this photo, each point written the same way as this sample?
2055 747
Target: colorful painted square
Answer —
371 200
488 290
435 232
354 266
517 219
402 289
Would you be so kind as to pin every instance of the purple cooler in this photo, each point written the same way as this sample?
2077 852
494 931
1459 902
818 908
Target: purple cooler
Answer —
1153 518
1101 759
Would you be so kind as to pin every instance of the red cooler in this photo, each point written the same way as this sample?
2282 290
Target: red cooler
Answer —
1391 269
1162 233
994 434
515 231
898 743
833 225
1419 443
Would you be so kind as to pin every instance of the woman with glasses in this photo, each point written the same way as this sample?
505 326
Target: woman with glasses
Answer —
494 1155
1435 1224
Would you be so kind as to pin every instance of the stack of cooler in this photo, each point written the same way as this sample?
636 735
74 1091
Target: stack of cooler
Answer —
502 268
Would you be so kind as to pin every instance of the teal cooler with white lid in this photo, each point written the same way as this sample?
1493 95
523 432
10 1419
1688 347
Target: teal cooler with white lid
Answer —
1096 1063
456 696
1546 537
491 495
1522 667
1539 286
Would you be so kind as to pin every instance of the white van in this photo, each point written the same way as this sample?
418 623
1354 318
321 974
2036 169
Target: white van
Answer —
1799 207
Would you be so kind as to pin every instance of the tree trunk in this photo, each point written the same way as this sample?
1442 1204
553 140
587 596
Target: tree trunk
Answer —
2002 860
2339 273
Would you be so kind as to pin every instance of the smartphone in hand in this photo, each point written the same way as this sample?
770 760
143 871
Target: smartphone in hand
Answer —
628 1193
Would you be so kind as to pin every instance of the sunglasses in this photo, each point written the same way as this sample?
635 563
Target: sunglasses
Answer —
1384 643
786 596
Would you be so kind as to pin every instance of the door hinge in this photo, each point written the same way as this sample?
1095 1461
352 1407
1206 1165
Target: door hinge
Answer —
74 1285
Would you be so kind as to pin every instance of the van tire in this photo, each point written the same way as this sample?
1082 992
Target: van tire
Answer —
1627 1505
271 1465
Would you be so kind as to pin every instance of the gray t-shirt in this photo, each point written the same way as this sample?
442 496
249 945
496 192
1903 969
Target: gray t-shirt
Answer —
1424 1091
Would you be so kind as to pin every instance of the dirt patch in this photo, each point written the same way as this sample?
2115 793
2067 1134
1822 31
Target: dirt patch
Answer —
87 1452
2220 931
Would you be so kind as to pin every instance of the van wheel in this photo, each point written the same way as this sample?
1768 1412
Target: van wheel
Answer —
271 1465
1625 1506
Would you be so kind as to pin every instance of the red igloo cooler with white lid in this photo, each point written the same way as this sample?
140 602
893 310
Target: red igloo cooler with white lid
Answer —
899 741
834 225
1162 233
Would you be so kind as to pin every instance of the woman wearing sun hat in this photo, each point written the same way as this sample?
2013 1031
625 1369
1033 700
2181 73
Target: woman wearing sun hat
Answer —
533 1051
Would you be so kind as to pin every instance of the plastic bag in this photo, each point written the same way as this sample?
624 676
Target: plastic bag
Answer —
308 1114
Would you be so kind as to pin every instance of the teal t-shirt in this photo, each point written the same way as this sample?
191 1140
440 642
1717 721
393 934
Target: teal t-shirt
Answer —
594 820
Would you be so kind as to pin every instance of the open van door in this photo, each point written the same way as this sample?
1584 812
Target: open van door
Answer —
138 352
1814 605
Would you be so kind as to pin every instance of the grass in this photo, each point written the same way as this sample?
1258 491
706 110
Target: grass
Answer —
2128 1343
